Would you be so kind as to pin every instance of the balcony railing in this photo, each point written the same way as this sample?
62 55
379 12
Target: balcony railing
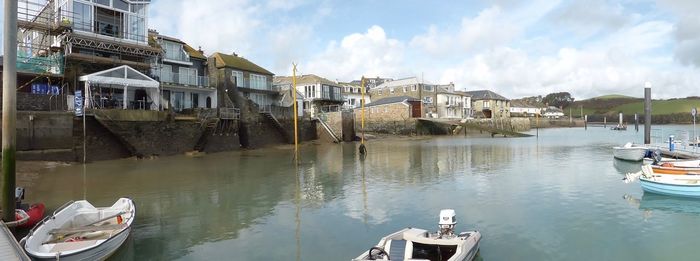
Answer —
177 56
184 79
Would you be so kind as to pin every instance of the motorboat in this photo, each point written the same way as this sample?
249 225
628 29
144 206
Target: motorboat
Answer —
80 231
630 152
672 185
419 244
34 211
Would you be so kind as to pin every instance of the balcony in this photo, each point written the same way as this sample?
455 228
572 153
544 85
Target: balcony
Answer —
183 79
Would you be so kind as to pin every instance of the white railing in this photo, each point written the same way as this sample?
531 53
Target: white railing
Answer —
184 79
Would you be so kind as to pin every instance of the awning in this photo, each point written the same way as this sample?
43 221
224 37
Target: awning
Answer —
126 78
122 75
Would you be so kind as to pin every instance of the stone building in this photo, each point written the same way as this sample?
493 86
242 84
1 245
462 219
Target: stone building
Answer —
391 115
411 87
490 105
253 81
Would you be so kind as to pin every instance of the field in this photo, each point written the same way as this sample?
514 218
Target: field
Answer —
613 104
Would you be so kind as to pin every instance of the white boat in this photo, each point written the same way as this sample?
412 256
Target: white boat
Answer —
80 231
630 152
419 244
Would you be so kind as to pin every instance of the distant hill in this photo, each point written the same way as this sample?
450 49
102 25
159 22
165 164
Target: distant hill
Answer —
612 96
613 104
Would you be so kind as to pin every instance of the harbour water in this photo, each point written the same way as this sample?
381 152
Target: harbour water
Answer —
558 196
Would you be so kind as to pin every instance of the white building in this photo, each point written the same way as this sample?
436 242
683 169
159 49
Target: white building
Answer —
553 112
522 109
352 96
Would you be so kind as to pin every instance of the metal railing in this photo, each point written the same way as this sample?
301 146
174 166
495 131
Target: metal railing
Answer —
229 113
184 79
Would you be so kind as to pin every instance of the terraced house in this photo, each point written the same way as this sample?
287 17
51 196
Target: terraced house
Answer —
320 94
253 81
183 74
490 105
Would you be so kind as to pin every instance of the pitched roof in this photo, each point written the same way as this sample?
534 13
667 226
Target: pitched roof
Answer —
237 62
303 79
463 93
486 95
521 104
153 42
389 100
399 82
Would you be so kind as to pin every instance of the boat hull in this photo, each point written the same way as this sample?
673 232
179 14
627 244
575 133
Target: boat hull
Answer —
692 191
102 252
629 154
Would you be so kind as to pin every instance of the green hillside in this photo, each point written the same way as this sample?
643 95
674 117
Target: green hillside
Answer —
615 104
612 96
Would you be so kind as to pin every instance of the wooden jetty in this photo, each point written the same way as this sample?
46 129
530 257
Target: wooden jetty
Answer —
10 250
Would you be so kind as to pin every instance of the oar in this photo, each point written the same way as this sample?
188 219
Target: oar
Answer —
59 238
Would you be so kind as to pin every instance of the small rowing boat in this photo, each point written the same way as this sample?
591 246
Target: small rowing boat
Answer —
80 231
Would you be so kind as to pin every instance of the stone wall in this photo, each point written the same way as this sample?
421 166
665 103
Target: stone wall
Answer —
44 136
39 102
559 123
392 118
222 142
156 138
100 143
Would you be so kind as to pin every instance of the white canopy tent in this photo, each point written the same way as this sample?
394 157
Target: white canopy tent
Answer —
123 77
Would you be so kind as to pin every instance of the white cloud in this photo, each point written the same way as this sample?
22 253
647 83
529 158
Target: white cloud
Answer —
370 53
489 28
289 44
217 25
586 18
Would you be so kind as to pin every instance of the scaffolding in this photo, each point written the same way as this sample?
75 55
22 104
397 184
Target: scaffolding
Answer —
37 29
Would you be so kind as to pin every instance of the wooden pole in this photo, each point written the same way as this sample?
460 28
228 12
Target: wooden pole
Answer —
363 149
9 110
294 97
647 113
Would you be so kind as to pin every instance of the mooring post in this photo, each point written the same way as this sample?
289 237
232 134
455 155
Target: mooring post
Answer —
605 122
9 110
636 122
647 113
585 122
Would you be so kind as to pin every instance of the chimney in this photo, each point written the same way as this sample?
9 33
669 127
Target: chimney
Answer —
235 54
200 50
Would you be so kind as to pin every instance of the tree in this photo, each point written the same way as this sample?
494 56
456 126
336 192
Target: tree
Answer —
558 99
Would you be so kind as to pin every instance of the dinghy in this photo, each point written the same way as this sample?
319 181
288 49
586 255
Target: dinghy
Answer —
418 244
671 185
80 231
630 152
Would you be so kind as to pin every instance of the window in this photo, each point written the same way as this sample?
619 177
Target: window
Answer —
258 82
195 100
414 87
379 93
405 89
137 28
188 76
427 99
102 2
237 78
487 104
326 92
391 90
121 5
175 51
428 88
83 16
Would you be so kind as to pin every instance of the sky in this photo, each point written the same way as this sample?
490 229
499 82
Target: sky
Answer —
516 48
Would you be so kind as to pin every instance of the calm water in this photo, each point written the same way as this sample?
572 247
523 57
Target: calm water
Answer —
556 197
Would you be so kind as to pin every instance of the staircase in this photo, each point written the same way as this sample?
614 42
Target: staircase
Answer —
330 131
276 122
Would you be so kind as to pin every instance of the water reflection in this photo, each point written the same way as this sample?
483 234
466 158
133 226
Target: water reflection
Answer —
650 203
624 167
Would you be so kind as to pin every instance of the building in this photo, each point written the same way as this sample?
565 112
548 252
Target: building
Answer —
519 108
490 105
253 81
371 83
320 94
183 74
411 87
467 111
553 112
352 95
449 103
397 108
72 39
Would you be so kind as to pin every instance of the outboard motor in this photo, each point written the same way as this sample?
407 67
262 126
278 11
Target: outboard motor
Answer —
19 196
656 156
448 220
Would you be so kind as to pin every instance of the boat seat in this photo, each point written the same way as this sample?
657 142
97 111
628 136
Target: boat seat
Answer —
68 246
397 249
